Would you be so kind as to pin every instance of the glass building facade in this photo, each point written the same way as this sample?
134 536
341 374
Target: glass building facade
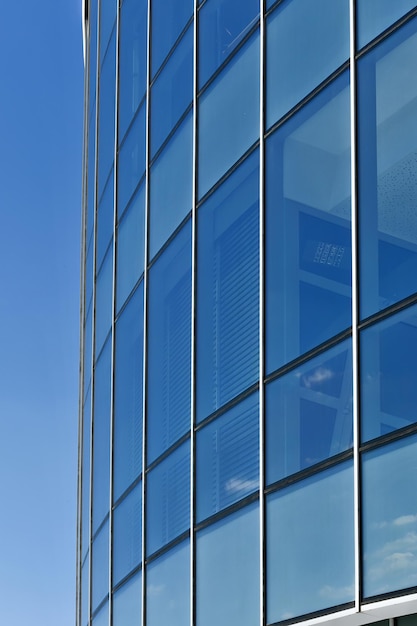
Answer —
248 387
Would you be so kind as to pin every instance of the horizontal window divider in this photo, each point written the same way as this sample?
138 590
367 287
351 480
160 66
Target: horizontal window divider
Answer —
308 616
84 558
100 606
132 197
127 491
106 182
109 245
388 596
129 297
108 42
396 435
388 312
168 452
126 578
132 121
171 52
100 526
226 407
167 547
171 134
97 356
236 506
169 240
386 33
273 7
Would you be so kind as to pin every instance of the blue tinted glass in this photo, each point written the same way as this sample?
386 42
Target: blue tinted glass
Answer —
227 568
389 375
130 247
128 385
168 20
310 545
85 477
105 218
131 164
92 54
168 504
101 436
168 588
374 16
88 332
222 26
228 274
100 571
389 523
91 172
387 135
84 592
169 346
306 42
127 603
171 186
104 292
132 60
102 617
172 91
308 238
107 19
89 276
229 116
309 413
106 117
127 534
228 458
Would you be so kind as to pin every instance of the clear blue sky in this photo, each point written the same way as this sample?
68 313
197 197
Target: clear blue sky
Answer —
41 69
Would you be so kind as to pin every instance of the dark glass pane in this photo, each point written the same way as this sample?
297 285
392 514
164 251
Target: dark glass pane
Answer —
228 458
310 545
100 571
308 238
168 504
374 16
105 219
407 620
306 42
222 26
309 413
389 522
387 118
131 165
127 534
169 346
107 20
169 17
85 477
104 301
229 116
228 274
127 603
128 385
106 115
227 568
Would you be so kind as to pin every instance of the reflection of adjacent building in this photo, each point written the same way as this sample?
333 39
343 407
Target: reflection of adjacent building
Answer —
248 397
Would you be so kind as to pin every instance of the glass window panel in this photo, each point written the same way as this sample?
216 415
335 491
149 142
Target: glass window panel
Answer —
131 164
389 526
106 114
172 92
227 568
102 617
310 545
387 135
229 116
407 620
84 592
168 505
222 26
389 375
91 172
168 588
89 274
168 20
127 603
309 413
104 300
169 346
130 246
85 489
132 60
105 218
228 274
92 54
171 185
228 458
306 42
88 332
374 16
107 19
127 534
128 399
308 238
100 573
101 436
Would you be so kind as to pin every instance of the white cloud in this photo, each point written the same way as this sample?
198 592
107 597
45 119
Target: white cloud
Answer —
337 594
405 519
320 375
237 485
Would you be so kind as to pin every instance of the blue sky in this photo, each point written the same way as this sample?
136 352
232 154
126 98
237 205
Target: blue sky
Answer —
40 192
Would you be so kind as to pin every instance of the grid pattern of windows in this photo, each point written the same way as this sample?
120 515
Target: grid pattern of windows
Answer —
248 440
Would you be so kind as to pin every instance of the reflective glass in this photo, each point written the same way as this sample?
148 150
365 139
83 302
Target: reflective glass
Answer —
92 9
130 246
406 620
171 185
85 477
374 16
387 119
309 413
222 26
131 164
168 20
101 436
102 617
107 20
105 218
106 114
172 92
128 386
308 238
88 332
89 276
169 346
168 503
227 456
229 116
228 274
227 568
100 571
127 534
168 588
127 603
91 171
389 522
84 592
389 375
306 42
310 545
104 293
132 60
